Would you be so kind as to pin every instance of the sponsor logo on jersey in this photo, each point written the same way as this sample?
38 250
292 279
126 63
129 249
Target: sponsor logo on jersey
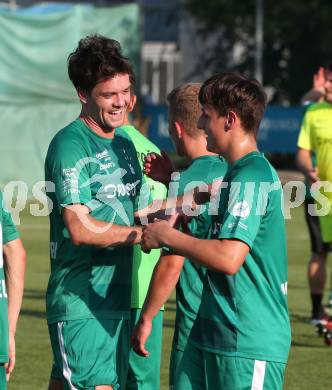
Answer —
105 166
241 209
70 181
118 190
102 154
69 172
242 225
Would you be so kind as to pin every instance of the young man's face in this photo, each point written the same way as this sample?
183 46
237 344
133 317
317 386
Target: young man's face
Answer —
213 125
328 85
108 102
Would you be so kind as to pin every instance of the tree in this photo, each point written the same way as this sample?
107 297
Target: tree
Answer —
297 39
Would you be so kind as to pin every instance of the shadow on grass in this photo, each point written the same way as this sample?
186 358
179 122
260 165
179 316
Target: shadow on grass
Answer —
304 319
33 313
34 294
170 305
297 287
168 323
303 345
170 308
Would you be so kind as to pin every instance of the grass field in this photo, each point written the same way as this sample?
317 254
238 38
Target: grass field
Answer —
310 360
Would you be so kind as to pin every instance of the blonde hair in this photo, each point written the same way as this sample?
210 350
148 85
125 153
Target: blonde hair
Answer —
185 108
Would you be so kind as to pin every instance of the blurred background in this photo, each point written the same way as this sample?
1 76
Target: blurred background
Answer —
281 43
170 42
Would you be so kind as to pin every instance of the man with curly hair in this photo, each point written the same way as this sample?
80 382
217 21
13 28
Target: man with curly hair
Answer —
94 184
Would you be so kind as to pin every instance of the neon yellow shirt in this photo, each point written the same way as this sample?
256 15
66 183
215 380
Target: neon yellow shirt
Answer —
316 135
143 263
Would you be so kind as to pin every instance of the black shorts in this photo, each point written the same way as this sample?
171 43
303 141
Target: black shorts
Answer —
317 244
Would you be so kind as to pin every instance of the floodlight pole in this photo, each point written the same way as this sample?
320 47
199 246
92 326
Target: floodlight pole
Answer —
259 41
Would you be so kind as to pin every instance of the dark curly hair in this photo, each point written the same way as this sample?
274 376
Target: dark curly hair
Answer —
97 58
233 92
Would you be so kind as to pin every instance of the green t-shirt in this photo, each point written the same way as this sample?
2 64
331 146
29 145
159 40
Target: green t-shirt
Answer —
103 174
8 233
143 263
246 314
203 169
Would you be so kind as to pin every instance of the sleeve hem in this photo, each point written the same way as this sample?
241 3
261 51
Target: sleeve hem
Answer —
11 237
237 236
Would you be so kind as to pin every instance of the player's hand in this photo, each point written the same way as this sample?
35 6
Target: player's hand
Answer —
312 176
158 167
154 234
318 80
11 364
140 335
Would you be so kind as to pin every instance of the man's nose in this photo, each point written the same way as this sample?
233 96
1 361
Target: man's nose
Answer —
119 100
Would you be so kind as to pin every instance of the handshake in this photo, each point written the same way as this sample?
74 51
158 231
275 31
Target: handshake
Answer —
164 222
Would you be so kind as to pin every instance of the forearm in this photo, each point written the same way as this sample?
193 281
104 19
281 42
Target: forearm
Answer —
217 255
163 209
15 262
304 161
157 209
164 279
86 230
104 234
15 288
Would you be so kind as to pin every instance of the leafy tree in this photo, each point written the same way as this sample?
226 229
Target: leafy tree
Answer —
297 39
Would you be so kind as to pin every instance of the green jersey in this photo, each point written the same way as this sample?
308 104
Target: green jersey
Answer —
143 263
246 314
103 174
8 233
203 169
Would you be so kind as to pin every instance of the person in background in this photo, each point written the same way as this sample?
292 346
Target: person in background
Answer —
144 374
318 109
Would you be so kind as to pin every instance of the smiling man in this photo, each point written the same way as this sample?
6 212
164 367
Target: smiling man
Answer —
241 335
96 180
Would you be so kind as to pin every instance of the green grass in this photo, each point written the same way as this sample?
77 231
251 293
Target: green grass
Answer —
310 360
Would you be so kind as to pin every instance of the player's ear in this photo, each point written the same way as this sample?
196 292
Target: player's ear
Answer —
230 120
82 95
178 129
132 103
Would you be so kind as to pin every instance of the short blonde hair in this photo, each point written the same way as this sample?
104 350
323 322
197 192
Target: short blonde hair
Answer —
184 107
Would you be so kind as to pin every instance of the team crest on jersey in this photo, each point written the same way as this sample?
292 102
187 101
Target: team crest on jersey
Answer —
241 209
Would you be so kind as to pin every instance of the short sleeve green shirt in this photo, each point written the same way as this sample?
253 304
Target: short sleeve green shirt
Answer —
143 263
103 174
8 233
246 314
205 170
